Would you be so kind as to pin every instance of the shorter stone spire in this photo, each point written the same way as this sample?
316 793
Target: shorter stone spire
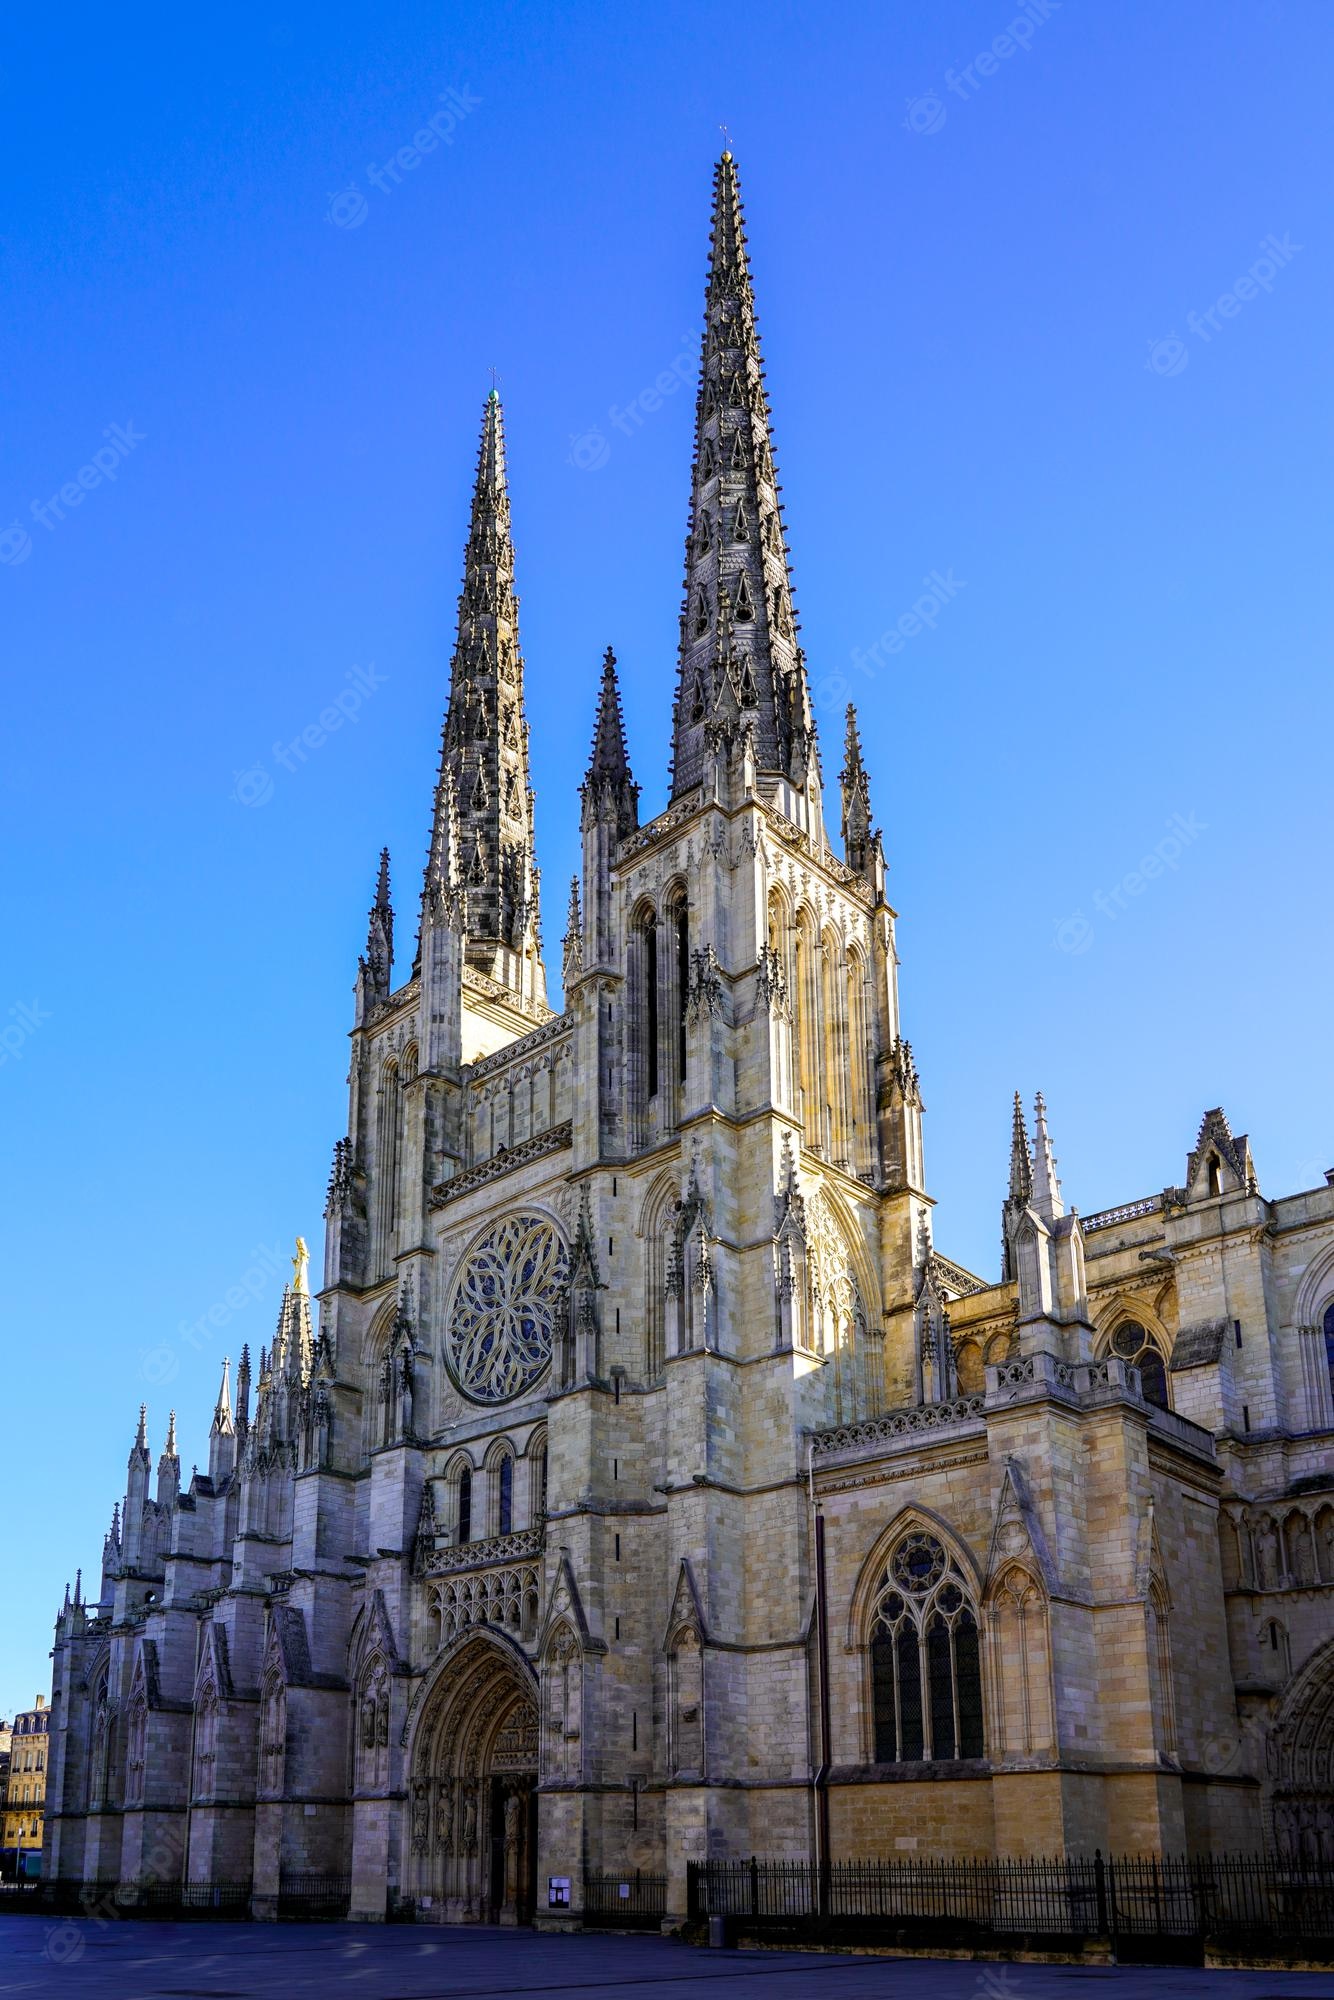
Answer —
860 842
609 791
222 1414
572 962
243 1391
169 1448
1021 1159
375 971
1046 1188
141 1435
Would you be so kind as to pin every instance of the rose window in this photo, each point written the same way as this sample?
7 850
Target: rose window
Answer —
499 1328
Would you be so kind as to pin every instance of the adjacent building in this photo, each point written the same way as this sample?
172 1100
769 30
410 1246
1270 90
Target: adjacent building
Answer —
652 1484
24 1793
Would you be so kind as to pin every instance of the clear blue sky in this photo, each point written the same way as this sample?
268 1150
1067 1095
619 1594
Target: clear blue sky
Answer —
976 303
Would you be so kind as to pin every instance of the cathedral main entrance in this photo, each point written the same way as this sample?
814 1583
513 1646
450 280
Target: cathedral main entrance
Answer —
473 1819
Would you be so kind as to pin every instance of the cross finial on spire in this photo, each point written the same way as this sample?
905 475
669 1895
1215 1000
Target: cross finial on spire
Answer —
222 1413
727 141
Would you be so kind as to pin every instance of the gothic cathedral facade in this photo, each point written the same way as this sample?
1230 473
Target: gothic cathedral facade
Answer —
650 1486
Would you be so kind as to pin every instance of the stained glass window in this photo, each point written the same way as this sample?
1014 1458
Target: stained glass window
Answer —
926 1679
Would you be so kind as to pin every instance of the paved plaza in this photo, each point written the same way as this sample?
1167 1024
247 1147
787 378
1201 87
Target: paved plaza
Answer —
137 1961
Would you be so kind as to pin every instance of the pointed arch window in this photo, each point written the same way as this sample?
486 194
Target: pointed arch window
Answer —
1329 1344
465 1506
745 609
925 1662
1136 1345
505 1497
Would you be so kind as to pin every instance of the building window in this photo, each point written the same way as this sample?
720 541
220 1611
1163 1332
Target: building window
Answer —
505 1510
1135 1345
926 1676
465 1506
1329 1344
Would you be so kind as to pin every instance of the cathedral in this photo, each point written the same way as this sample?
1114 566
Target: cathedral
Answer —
643 1483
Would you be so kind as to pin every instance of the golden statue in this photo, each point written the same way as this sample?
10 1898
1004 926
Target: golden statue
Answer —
300 1265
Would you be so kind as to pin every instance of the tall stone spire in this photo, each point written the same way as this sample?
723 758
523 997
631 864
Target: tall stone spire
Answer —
483 824
609 791
1046 1188
741 669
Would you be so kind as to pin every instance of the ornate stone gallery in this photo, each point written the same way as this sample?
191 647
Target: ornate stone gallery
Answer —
502 1571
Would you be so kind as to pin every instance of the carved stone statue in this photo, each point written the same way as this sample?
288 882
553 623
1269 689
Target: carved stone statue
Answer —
470 1820
300 1266
444 1815
512 1823
1303 1553
421 1816
1266 1555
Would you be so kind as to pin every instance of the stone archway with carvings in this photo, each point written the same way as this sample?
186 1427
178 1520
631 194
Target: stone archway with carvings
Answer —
472 1809
1301 1763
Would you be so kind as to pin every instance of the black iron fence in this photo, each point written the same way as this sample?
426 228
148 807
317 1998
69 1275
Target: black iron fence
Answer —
1227 1901
315 1899
630 1902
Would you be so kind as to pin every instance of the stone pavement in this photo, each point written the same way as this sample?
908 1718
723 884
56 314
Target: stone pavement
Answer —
85 1959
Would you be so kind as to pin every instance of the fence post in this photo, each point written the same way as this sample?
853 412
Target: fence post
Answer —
1100 1879
754 1887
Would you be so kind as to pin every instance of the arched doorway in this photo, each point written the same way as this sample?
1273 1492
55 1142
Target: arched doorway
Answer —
1302 1763
473 1764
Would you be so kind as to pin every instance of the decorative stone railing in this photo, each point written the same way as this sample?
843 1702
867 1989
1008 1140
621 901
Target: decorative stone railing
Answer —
441 1561
526 1046
908 1424
554 1140
1130 1211
955 1276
